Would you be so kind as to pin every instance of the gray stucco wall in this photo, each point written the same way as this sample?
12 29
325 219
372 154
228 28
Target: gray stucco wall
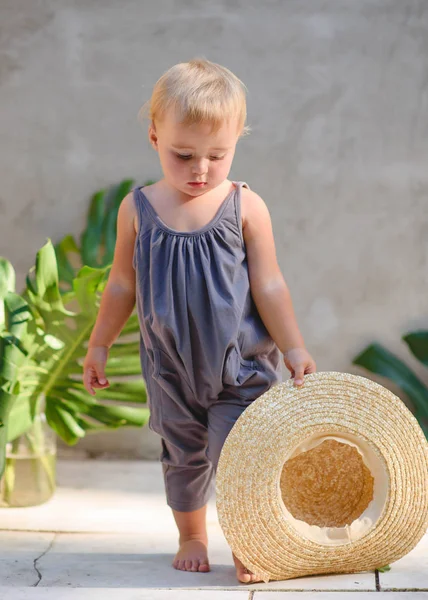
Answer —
338 105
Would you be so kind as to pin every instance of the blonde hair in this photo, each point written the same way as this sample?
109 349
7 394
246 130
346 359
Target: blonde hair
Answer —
200 91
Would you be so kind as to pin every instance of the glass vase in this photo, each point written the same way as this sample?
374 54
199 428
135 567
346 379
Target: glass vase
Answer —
29 477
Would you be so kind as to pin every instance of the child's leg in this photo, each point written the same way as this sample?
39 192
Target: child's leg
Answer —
188 487
188 477
187 471
192 554
222 415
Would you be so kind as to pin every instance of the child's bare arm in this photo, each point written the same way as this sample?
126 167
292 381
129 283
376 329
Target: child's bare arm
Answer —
117 301
268 287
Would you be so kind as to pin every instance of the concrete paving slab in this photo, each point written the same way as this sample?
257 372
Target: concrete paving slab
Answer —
340 596
123 497
100 496
125 501
138 594
410 572
117 594
111 560
18 551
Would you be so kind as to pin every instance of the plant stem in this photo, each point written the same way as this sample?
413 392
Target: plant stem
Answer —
37 446
10 473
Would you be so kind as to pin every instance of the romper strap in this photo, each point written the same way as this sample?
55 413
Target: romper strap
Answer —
143 221
237 202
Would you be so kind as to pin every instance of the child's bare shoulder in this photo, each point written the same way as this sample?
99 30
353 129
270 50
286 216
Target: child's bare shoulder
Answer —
122 271
128 210
252 206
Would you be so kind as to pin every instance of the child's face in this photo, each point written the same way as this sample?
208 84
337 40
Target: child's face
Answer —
193 153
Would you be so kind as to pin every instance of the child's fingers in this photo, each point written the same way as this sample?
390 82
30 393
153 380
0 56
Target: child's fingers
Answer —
312 368
87 381
299 372
302 370
101 377
96 383
91 380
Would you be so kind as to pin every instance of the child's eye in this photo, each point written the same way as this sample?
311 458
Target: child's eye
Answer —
189 156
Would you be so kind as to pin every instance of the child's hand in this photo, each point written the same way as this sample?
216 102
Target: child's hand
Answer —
299 362
93 368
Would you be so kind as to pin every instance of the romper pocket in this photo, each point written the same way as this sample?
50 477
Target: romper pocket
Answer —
147 362
248 377
175 388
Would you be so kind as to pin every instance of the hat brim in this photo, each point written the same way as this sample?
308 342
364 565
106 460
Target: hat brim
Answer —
256 524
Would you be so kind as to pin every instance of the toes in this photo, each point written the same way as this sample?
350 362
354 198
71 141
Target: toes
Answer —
244 577
194 565
204 567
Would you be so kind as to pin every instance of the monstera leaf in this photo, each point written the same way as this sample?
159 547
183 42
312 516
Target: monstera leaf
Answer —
98 240
377 359
14 317
43 345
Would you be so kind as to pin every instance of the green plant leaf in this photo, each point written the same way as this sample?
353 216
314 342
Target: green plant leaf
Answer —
13 355
417 342
123 391
47 280
66 272
378 359
20 419
118 416
123 365
63 423
384 569
110 222
88 287
7 284
98 240
91 238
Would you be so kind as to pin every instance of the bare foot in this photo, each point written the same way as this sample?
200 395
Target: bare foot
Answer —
242 573
192 556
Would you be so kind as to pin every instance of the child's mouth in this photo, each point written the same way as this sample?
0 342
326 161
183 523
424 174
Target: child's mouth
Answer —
197 184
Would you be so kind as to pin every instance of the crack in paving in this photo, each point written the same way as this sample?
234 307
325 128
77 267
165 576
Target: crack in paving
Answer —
377 580
41 556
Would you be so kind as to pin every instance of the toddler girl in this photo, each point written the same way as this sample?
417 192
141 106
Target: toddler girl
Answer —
195 252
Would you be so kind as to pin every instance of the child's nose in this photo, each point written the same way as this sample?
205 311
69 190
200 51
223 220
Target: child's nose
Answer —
200 167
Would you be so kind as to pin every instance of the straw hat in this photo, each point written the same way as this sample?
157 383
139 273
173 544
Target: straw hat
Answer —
331 477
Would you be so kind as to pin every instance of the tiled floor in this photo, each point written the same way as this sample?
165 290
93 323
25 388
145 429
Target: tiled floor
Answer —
108 533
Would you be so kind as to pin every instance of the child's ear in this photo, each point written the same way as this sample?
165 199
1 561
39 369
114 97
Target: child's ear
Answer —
153 136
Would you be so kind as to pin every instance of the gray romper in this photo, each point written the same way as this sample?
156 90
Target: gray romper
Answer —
205 352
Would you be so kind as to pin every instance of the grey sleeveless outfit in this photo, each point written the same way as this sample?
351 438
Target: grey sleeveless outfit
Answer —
205 352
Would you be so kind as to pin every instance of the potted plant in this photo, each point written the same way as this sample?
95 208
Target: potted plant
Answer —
42 347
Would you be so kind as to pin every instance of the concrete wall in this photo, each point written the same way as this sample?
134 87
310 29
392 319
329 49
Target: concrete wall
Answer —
338 105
